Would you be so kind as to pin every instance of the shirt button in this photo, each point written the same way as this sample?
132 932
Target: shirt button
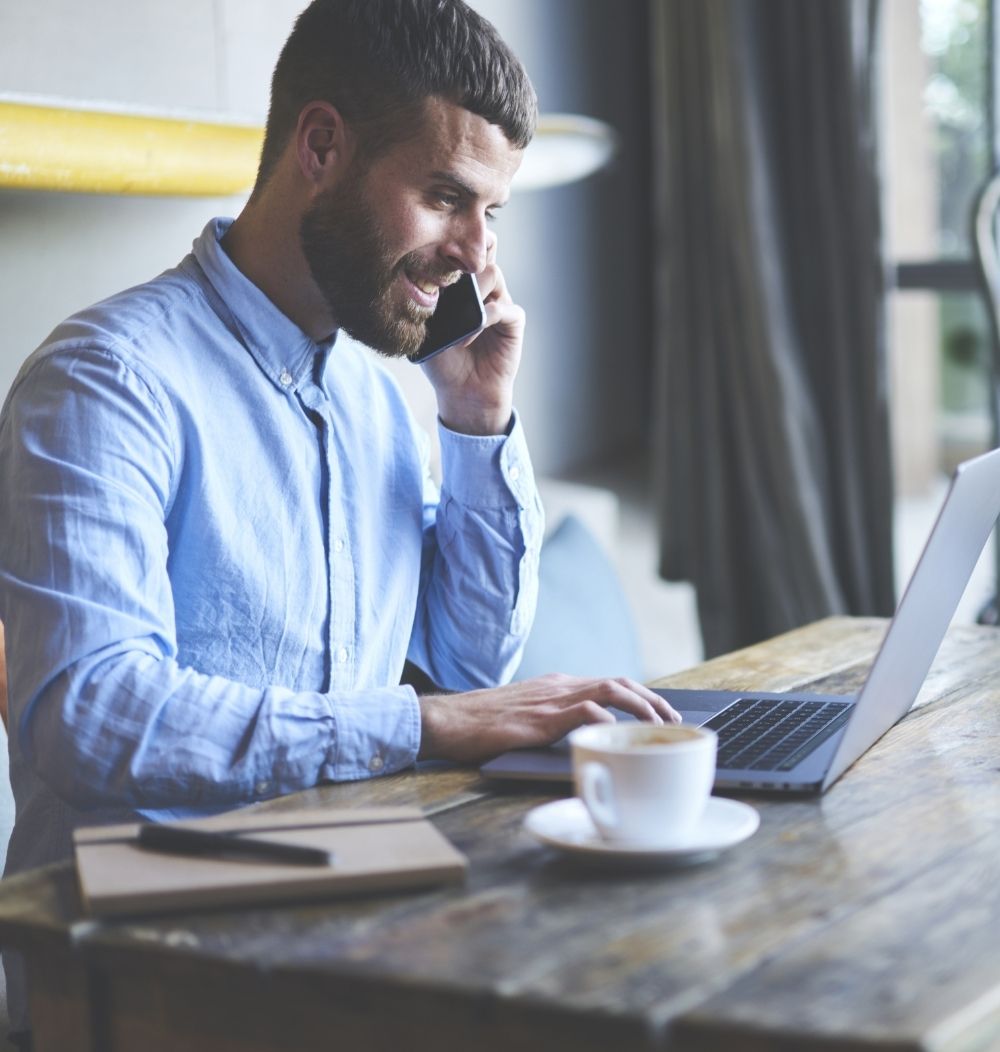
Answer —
338 544
262 788
342 655
285 379
376 763
514 474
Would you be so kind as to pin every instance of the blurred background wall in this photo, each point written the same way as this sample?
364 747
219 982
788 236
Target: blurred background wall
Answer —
576 257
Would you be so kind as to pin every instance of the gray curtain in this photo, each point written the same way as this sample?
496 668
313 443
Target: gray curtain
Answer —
771 445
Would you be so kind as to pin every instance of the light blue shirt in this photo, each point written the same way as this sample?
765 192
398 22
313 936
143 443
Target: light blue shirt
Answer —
218 543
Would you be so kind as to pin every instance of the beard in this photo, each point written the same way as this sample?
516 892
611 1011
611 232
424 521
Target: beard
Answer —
350 260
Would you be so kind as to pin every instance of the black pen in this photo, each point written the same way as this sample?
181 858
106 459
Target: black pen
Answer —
178 840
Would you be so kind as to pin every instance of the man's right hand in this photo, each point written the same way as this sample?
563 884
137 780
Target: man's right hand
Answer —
477 725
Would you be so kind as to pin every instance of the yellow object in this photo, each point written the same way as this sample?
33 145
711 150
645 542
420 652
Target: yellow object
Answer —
44 146
51 148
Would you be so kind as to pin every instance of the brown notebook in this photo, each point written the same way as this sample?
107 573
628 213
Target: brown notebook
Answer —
372 848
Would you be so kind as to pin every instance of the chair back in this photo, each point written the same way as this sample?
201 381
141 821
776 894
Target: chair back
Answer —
987 253
986 249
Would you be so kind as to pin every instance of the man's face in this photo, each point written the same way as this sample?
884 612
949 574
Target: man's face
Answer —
382 241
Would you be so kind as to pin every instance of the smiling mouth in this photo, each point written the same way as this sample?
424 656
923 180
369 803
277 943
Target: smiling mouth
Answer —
431 286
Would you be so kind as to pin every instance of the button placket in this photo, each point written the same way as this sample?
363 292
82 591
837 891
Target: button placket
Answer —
340 569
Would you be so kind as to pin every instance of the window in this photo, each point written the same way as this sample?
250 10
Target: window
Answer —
938 118
938 149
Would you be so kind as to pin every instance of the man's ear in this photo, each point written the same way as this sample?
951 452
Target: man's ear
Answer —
323 143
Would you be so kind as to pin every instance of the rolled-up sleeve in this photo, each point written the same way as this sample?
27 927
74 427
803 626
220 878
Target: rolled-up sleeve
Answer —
479 582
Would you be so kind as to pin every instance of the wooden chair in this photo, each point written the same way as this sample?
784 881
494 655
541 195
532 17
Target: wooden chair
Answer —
986 250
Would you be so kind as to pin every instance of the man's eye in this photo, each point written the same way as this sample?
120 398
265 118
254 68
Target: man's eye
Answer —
448 200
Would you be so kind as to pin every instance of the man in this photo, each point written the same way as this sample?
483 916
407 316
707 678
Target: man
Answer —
219 543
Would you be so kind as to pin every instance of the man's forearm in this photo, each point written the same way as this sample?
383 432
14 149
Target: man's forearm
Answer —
133 731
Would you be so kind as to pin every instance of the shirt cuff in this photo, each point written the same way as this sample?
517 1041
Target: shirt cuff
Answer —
376 732
487 471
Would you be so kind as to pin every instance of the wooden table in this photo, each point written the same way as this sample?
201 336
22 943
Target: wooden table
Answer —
870 917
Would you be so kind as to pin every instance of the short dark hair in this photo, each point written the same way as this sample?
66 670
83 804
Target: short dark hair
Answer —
378 60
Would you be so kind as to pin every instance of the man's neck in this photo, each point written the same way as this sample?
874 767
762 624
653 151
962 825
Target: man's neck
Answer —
264 247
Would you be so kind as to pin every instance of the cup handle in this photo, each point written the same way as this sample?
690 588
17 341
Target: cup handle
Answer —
598 794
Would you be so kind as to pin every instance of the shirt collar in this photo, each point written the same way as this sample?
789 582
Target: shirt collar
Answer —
286 354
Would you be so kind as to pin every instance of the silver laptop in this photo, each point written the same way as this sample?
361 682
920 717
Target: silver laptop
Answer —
802 742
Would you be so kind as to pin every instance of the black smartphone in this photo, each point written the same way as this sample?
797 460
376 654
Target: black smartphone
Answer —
458 315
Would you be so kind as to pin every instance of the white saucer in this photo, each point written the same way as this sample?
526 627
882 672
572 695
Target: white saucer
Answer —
566 824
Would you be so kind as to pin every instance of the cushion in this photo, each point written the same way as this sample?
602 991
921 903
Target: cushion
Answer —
583 625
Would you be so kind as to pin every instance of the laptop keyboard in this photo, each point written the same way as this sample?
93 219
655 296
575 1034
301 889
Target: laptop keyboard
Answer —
765 734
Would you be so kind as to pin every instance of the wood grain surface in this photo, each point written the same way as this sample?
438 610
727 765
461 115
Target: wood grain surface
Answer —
866 918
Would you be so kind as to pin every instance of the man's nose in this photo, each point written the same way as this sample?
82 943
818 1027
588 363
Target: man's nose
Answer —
469 247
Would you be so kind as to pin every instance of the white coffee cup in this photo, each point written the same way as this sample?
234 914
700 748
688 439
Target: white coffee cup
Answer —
644 783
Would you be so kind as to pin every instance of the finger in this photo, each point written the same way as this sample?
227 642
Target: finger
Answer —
662 706
486 279
621 695
583 712
504 313
492 286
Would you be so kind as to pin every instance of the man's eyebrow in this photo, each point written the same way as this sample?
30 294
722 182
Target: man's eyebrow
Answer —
462 186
